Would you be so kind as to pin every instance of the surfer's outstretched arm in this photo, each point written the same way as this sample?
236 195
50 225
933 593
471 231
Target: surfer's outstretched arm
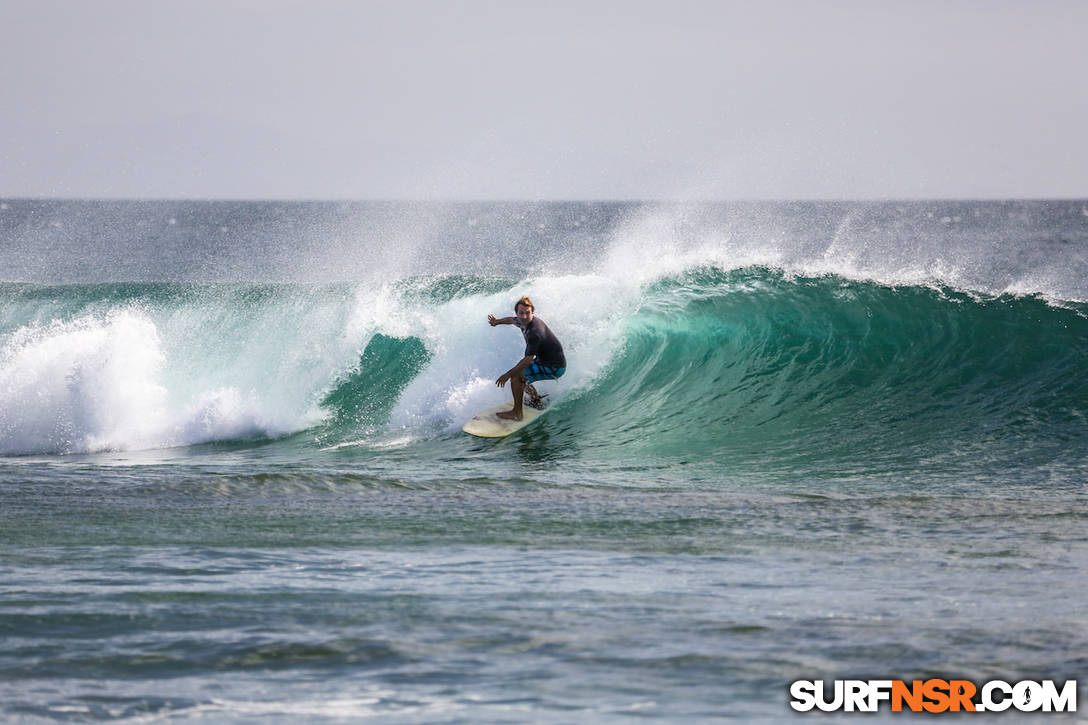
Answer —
492 320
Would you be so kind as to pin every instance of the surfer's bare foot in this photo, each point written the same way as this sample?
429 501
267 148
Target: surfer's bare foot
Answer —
509 415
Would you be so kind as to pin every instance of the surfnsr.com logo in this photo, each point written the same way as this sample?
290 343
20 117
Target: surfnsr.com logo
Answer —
933 695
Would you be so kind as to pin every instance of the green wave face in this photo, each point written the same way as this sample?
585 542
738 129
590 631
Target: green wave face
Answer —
780 372
363 400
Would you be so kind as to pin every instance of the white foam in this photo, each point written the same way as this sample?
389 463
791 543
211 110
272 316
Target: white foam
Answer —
131 379
88 384
468 355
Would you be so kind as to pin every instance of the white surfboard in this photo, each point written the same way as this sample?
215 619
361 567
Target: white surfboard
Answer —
489 425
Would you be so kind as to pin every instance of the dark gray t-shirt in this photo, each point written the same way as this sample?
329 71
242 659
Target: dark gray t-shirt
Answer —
540 341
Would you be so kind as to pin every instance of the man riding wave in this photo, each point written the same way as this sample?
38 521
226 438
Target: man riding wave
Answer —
544 359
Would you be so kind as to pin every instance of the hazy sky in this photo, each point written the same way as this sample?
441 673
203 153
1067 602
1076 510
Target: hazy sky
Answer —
543 100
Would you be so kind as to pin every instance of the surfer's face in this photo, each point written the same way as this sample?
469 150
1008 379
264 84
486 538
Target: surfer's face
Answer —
525 314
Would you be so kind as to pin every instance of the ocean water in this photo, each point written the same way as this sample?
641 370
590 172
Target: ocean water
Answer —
795 441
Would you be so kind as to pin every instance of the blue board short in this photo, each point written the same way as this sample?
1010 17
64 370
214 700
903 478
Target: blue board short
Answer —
536 372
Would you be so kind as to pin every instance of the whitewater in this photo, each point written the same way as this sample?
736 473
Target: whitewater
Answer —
795 440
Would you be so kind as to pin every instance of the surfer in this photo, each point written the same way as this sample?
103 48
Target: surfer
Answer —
544 359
